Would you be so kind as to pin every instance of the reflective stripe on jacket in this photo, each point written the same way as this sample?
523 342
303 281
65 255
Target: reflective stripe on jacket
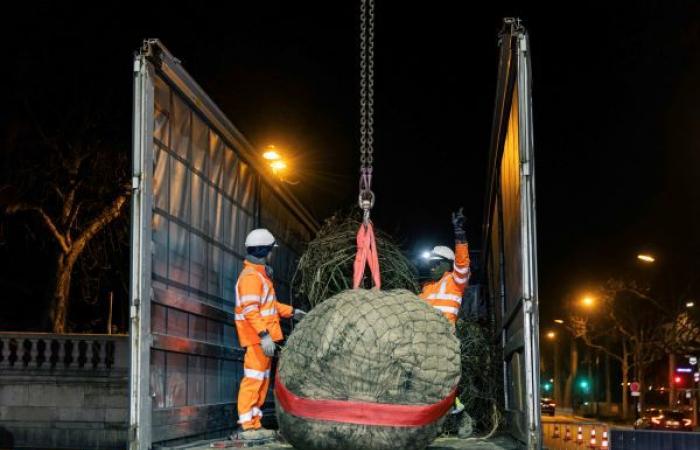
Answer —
257 308
446 294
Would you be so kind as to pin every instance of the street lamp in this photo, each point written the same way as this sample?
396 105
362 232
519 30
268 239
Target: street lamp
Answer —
689 304
559 321
278 165
551 335
271 153
646 258
588 301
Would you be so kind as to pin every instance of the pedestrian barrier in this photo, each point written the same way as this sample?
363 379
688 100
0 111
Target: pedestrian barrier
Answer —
588 436
593 444
556 434
567 434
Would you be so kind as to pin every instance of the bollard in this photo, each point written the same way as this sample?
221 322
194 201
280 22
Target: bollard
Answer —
556 434
593 444
579 436
567 434
604 440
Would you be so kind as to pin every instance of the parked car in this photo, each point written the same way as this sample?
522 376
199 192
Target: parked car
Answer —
547 406
644 421
672 420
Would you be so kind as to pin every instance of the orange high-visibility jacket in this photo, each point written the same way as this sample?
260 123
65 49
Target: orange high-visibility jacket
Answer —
446 293
257 308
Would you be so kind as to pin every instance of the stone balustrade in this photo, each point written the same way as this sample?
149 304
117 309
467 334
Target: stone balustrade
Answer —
62 351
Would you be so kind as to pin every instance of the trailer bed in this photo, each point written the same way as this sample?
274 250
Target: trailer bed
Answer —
496 443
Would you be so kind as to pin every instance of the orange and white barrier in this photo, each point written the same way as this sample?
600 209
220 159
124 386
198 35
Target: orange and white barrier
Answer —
567 434
604 441
556 434
593 443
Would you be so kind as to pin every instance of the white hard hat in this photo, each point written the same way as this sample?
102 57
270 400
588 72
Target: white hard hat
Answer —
260 237
440 251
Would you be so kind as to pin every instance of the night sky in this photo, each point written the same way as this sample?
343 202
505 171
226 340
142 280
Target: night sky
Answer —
615 91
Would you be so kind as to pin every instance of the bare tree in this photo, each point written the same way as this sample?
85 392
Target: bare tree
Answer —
71 182
629 326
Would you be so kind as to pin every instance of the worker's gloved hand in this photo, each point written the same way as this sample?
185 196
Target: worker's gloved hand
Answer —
267 344
458 225
299 314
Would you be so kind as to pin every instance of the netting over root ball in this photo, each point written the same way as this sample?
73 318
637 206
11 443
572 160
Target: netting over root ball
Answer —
325 268
482 379
369 346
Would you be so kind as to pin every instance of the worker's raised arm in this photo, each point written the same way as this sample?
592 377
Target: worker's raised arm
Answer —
249 296
460 270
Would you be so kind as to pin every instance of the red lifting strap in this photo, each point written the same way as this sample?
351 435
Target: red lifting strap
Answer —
366 255
361 413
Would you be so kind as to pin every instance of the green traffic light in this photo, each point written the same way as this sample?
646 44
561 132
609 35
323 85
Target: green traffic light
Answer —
583 384
547 387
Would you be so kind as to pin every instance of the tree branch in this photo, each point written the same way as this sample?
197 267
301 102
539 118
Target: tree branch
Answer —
20 207
107 215
588 342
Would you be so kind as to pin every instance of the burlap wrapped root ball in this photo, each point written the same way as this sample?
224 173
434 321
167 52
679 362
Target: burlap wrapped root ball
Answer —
368 346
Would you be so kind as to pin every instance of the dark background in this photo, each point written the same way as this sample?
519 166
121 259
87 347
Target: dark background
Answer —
615 91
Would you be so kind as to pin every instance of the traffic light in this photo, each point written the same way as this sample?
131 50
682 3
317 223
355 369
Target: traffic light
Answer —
678 380
584 385
547 387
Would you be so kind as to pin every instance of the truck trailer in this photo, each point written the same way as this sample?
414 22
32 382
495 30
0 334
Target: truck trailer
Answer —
198 188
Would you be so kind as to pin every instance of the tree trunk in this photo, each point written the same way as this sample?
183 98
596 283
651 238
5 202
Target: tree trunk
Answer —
557 374
58 312
625 380
642 387
671 382
573 368
591 385
608 382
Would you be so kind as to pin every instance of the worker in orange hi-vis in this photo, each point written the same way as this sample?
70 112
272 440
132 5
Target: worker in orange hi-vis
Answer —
450 275
258 326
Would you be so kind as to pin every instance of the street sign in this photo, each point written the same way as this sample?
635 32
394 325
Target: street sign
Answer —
693 360
684 369
634 388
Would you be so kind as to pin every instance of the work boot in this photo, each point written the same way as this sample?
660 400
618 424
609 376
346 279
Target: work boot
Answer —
267 433
250 435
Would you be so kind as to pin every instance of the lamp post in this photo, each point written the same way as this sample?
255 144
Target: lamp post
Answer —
556 373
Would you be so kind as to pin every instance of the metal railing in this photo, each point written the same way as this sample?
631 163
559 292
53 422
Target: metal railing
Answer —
46 351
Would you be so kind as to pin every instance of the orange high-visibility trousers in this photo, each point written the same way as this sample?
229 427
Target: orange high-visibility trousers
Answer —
254 386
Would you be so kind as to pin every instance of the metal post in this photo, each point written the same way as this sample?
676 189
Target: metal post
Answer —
109 316
695 406
140 290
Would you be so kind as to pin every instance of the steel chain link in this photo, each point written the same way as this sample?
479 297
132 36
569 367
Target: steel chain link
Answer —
366 197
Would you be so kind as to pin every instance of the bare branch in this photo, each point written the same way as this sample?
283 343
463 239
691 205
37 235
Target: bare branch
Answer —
589 343
107 215
20 207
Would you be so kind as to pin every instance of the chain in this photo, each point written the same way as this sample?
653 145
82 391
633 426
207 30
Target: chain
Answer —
366 198
370 87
